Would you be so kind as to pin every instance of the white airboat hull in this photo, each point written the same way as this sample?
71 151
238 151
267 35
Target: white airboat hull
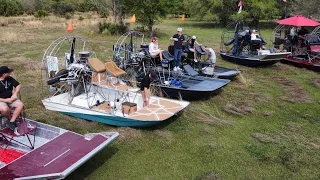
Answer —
83 106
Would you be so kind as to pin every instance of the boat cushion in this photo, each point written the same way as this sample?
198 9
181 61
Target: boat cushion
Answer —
96 65
128 107
190 71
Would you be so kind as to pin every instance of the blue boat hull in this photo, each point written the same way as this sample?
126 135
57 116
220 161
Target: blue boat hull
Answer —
246 61
114 120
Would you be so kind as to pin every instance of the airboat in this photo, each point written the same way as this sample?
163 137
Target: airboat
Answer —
83 86
47 152
305 47
236 46
200 68
132 55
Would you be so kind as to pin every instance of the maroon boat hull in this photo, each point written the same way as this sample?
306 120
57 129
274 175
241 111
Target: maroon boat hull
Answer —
313 65
57 158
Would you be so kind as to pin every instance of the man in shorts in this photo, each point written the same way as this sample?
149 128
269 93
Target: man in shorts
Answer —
9 89
145 86
211 56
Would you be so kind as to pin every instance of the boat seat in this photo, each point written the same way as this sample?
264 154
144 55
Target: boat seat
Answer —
167 55
190 71
105 107
200 51
113 69
99 74
97 65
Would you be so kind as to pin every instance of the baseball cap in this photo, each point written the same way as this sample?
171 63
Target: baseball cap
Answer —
254 30
179 29
194 37
5 69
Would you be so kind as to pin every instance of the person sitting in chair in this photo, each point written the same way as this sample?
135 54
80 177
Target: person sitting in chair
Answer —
256 39
192 47
8 98
145 86
154 49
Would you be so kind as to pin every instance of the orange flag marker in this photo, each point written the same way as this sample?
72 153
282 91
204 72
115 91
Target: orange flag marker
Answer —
70 27
133 19
182 18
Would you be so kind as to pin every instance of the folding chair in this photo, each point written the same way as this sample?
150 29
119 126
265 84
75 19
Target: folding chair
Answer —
24 129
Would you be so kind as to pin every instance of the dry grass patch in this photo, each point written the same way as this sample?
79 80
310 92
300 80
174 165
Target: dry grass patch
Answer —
210 119
261 97
246 81
210 176
285 67
127 133
266 138
239 110
315 82
164 134
315 143
34 24
9 36
293 92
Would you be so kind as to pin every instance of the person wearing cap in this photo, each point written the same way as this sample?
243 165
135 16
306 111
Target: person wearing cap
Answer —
154 49
192 47
8 97
145 86
211 56
256 39
178 40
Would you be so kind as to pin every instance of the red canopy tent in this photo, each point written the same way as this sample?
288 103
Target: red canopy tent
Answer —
298 20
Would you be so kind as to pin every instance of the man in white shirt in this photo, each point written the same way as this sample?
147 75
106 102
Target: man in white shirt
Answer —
256 39
292 35
209 70
154 49
211 55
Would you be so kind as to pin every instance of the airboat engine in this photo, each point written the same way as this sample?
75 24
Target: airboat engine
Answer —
76 70
84 56
137 57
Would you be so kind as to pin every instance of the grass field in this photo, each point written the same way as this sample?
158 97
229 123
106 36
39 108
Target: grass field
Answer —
264 125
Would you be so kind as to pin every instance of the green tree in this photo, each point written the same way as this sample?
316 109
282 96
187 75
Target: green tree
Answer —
10 8
148 12
308 8
226 10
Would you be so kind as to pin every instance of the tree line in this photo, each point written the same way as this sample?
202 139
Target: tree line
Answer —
148 12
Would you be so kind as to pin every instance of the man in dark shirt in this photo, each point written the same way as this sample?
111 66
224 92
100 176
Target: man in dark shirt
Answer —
145 86
303 31
178 40
8 98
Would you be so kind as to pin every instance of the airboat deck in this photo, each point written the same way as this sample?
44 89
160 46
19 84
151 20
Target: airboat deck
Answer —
254 60
57 153
109 109
197 87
